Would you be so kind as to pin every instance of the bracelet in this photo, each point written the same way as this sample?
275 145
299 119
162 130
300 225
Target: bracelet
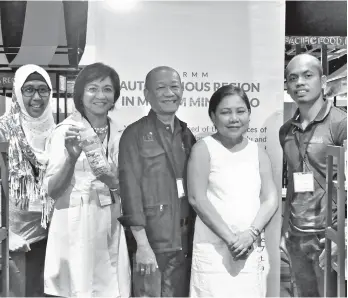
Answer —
255 230
252 234
113 189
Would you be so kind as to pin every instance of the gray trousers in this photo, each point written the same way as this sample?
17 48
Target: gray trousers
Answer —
304 253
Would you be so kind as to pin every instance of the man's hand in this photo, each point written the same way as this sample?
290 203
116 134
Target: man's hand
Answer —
145 260
18 243
323 253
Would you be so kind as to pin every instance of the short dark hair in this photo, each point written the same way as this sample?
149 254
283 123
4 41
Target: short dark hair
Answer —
224 91
91 73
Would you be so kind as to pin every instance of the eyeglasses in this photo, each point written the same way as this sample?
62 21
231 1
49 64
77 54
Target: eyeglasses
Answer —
43 91
95 90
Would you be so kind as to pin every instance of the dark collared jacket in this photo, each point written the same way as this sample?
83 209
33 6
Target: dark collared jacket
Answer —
147 174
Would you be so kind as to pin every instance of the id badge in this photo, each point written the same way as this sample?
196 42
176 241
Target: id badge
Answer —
103 193
303 182
180 187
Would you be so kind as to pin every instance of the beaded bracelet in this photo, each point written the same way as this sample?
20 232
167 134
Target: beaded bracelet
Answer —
255 230
252 234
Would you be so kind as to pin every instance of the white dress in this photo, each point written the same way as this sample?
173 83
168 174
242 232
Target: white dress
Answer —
86 251
234 190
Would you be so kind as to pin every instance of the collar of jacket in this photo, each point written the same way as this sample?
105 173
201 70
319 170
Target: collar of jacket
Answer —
152 115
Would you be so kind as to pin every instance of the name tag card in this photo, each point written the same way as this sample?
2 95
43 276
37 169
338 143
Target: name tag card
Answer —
180 187
104 199
304 182
103 193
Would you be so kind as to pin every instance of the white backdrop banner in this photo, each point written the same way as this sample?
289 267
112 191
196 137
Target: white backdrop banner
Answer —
210 44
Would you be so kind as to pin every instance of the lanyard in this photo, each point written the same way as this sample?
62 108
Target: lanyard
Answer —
107 138
303 149
168 155
303 154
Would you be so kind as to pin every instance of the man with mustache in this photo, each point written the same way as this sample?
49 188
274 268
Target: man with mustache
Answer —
304 138
152 171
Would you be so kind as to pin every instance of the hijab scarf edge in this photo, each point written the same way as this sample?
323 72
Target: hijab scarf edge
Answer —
26 169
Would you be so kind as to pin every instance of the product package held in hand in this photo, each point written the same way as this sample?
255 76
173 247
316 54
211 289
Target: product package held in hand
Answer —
93 148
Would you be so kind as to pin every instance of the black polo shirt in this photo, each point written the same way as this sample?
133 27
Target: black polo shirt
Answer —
307 210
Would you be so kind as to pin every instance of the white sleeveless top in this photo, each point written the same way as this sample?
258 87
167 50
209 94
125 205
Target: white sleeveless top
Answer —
233 188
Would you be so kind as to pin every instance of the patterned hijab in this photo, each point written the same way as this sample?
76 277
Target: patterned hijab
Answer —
27 138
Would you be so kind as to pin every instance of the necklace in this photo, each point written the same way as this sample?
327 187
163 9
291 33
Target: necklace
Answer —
101 130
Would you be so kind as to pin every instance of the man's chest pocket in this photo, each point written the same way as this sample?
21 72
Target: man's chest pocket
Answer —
154 159
316 151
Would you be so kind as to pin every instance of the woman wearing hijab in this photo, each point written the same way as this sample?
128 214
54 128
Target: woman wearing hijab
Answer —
27 128
86 250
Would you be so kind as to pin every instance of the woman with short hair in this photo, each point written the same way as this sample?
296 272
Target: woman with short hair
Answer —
86 251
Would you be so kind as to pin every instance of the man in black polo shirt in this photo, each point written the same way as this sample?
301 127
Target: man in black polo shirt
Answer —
152 171
304 138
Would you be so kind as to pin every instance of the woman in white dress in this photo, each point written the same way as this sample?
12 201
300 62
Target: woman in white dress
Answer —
231 187
86 250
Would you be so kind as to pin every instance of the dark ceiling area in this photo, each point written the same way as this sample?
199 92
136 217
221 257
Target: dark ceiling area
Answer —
316 18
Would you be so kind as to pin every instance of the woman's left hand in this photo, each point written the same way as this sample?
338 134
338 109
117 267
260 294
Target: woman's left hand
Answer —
242 245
